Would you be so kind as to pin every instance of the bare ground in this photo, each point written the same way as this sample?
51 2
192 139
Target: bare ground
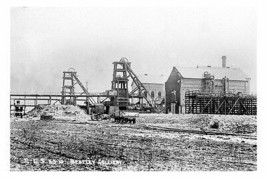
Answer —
62 145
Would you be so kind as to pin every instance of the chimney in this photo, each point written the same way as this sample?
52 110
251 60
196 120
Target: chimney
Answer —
223 61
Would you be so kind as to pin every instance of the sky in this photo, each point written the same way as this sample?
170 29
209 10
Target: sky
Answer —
45 41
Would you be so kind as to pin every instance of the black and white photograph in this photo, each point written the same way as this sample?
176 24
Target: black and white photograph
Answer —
134 88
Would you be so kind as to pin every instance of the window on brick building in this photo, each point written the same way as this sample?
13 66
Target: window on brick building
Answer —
152 94
145 94
159 94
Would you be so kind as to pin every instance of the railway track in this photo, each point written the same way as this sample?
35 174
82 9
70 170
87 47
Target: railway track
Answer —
149 127
167 129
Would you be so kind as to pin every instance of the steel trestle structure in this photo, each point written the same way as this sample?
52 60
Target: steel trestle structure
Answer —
217 103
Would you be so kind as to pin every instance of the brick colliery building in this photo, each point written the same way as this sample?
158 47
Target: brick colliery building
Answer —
155 85
204 79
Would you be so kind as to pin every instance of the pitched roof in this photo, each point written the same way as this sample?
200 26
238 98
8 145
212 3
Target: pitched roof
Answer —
217 72
152 78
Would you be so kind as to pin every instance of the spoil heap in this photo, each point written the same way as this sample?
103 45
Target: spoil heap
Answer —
59 111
